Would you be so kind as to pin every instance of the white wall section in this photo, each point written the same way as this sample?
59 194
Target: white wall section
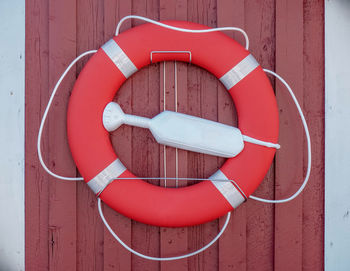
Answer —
12 33
337 137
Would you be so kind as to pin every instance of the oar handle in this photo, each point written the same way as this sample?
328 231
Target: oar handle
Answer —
114 117
136 121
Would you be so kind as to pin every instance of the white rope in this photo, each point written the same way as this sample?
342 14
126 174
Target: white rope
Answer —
184 29
246 138
301 188
45 115
159 258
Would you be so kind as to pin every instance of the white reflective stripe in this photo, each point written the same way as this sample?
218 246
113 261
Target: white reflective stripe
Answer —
106 176
119 58
238 72
227 189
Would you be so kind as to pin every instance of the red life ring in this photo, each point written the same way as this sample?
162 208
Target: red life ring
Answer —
95 157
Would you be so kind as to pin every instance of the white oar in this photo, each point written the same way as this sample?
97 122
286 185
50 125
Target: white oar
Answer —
184 131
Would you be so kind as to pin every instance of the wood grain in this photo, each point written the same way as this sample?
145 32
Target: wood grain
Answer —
260 217
36 97
313 79
173 240
62 197
90 239
63 230
145 158
232 246
115 256
289 162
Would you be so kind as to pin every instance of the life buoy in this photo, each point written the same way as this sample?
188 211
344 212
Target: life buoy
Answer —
95 157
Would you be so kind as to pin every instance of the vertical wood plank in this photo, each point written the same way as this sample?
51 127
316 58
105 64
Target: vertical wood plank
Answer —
115 256
289 162
232 245
202 101
36 180
260 216
209 102
62 199
313 207
89 239
64 232
145 150
173 241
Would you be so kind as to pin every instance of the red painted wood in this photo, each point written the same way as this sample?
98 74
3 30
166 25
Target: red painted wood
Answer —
289 162
260 217
145 151
260 236
36 181
202 101
173 241
89 239
313 80
115 256
62 197
232 245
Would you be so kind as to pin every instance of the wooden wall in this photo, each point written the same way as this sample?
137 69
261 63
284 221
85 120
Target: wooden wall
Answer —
63 230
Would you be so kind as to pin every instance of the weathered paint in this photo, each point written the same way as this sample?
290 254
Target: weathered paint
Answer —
337 144
12 27
313 104
289 38
62 195
289 165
